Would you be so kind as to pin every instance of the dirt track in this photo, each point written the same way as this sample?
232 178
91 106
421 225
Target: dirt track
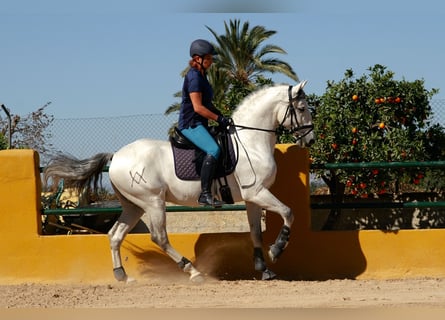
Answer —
176 295
180 293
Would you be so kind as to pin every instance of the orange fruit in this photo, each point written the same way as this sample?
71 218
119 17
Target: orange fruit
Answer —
382 125
355 97
377 100
354 130
397 100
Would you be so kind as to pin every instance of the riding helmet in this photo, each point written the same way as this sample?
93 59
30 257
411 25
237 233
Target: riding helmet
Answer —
201 47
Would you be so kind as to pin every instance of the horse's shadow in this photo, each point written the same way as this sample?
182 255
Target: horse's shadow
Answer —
317 255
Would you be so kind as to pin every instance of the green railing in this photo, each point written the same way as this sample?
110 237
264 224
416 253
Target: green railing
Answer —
399 164
351 166
380 165
118 210
379 204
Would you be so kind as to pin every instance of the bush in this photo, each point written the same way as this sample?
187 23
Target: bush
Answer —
3 142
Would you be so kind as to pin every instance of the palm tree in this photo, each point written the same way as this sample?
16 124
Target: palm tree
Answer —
240 64
242 56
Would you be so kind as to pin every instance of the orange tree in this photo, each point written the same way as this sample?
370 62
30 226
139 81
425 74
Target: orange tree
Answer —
370 118
434 141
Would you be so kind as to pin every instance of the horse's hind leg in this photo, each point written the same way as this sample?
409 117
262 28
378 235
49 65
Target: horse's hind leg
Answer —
159 236
127 220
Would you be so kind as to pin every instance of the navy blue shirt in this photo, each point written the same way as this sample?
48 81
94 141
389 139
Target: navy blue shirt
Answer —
194 81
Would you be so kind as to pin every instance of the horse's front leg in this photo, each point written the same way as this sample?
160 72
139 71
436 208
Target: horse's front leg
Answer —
282 240
254 214
266 200
277 248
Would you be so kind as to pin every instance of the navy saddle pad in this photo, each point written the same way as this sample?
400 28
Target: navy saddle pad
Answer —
188 158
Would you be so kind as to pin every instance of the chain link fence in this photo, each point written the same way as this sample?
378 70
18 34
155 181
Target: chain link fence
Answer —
84 137
438 107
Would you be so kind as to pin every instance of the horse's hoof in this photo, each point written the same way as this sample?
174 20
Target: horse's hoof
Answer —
120 274
268 275
197 278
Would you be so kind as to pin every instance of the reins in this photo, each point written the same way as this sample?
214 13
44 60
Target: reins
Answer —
254 128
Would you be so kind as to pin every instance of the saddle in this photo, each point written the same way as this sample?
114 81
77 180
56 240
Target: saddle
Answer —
188 158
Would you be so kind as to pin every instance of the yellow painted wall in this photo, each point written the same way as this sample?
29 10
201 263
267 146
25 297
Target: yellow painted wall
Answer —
28 256
345 254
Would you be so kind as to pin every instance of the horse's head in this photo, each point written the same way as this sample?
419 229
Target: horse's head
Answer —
298 117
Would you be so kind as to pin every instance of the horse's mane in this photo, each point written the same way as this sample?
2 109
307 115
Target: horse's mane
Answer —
255 95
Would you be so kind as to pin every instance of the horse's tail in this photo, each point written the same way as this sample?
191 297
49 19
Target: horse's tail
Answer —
76 173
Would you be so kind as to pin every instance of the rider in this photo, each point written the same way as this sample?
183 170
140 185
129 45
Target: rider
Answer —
196 111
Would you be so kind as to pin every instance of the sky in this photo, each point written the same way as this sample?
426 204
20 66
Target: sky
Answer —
116 58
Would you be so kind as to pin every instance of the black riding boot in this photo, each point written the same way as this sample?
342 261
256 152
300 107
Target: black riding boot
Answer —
207 174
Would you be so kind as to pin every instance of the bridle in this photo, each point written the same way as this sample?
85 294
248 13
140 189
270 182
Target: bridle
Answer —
293 119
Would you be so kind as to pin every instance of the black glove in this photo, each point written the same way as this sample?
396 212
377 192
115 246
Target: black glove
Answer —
223 121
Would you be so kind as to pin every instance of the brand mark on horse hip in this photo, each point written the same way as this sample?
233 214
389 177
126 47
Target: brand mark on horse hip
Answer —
137 177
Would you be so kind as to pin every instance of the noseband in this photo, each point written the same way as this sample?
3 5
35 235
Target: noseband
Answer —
293 118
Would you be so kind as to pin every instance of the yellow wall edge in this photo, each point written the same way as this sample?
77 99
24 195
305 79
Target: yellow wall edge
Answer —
28 256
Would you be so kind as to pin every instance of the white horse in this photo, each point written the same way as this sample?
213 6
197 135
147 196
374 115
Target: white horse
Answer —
143 176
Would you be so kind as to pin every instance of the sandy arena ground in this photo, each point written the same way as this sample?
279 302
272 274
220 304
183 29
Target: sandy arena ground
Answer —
176 297
180 293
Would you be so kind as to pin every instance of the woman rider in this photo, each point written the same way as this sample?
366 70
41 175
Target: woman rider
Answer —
196 111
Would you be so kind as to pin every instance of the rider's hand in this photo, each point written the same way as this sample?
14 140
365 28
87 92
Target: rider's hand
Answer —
223 121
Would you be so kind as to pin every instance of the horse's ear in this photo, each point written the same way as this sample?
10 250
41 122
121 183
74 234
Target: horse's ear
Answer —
298 87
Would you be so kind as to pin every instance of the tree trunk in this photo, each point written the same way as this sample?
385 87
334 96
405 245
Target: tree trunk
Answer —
337 191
